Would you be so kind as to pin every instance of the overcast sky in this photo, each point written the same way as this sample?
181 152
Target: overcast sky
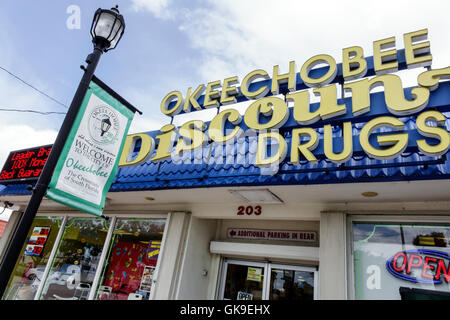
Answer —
172 45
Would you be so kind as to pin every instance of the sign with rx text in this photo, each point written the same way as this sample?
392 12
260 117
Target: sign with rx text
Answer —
89 160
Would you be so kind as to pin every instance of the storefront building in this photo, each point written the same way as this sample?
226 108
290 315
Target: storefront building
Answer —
350 213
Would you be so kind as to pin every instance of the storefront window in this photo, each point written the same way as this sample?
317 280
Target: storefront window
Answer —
29 268
291 285
401 261
244 282
132 259
75 263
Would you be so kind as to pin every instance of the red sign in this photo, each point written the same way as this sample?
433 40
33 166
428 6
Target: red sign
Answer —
420 266
36 242
24 165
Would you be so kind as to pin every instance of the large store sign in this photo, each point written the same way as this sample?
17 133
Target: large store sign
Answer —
89 160
294 112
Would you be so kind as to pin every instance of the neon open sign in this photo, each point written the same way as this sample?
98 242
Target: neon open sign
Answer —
420 266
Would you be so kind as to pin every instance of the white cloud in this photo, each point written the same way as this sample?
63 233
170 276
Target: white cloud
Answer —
16 137
145 124
157 7
236 37
24 130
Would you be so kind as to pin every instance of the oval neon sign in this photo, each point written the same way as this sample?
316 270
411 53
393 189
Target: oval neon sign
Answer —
420 266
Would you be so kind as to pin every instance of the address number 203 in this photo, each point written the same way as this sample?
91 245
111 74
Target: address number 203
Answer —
249 210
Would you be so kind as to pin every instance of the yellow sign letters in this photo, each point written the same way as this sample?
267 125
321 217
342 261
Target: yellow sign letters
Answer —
268 113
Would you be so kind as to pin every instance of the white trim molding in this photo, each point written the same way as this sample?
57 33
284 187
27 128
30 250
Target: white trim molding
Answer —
265 250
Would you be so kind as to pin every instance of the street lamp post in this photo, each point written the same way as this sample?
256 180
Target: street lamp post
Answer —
106 31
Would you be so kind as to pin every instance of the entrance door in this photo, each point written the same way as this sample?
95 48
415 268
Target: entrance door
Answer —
243 280
291 282
248 280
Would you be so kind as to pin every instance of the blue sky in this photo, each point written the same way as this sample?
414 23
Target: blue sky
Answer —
172 45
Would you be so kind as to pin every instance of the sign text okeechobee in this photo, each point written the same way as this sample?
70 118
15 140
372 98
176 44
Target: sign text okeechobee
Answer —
269 112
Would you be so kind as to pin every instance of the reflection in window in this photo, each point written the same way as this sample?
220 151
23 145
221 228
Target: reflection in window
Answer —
74 266
291 285
407 234
132 259
30 267
243 282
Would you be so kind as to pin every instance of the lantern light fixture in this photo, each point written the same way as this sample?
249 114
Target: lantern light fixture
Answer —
107 28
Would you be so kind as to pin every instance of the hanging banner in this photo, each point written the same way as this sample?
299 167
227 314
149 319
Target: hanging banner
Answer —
89 160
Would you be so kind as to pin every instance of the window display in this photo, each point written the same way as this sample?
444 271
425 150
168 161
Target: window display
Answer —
27 274
132 259
401 260
128 270
75 263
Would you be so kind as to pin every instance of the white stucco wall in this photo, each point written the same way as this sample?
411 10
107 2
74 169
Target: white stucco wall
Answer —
165 280
195 271
332 255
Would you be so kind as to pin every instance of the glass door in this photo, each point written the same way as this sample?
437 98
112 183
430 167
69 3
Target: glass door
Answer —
243 280
291 282
248 280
